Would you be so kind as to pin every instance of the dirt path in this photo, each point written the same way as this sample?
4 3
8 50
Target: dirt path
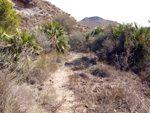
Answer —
61 81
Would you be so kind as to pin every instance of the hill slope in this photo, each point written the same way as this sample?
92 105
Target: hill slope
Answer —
39 12
95 21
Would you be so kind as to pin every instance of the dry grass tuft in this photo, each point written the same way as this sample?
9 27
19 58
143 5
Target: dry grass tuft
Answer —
22 88
36 71
115 92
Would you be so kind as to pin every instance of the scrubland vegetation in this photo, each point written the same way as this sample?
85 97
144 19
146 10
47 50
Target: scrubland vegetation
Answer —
116 79
124 46
27 57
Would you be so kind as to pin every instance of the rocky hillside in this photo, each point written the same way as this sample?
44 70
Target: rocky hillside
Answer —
38 12
95 21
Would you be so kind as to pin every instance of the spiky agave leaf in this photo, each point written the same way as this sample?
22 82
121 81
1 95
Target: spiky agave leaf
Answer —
57 34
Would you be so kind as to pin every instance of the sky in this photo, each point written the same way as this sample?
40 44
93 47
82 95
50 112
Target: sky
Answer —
122 11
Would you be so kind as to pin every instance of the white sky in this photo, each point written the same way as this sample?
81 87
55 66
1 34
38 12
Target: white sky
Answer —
122 11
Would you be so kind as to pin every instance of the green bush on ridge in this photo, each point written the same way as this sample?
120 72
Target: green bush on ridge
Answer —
125 46
9 18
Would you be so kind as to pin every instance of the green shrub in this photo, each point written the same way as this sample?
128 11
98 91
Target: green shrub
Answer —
9 18
92 36
125 46
95 32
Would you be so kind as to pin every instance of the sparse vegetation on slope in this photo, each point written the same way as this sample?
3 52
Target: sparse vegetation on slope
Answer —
101 88
23 63
92 22
67 22
39 75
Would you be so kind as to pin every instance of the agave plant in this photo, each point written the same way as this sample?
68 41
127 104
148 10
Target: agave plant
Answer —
62 44
29 40
57 34
5 39
13 45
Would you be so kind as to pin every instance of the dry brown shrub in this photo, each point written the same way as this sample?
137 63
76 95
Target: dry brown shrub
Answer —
7 103
77 41
44 41
116 92
17 96
67 22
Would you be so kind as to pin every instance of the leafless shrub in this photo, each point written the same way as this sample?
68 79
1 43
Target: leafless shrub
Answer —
67 22
6 56
77 41
7 104
122 61
44 41
3 89
10 70
48 101
100 72
35 71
